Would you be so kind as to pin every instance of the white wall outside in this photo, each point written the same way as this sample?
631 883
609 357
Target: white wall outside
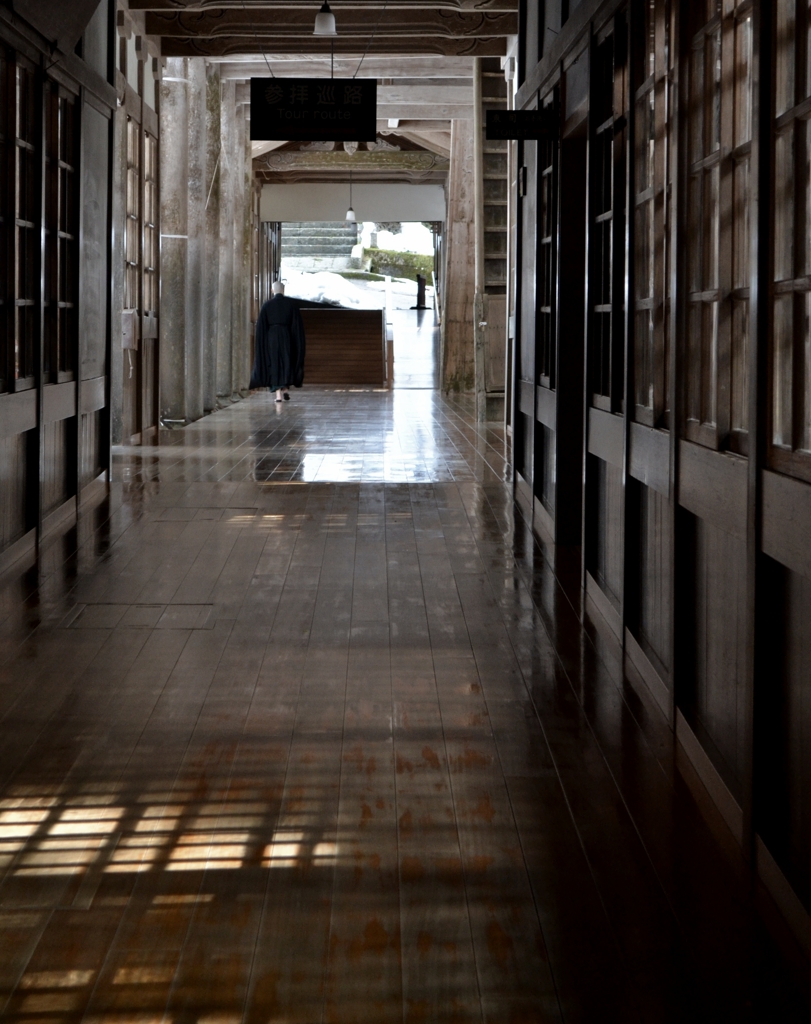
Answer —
376 202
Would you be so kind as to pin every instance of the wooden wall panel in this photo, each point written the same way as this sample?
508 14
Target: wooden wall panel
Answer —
92 462
129 399
649 457
787 740
545 468
604 515
344 346
524 427
786 521
57 448
649 611
149 364
713 486
13 485
18 413
712 642
606 436
522 444
58 401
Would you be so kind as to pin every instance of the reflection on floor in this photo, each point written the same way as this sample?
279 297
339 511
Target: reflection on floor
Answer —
416 348
306 730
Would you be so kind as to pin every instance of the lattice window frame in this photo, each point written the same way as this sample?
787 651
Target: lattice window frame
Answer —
548 244
25 247
654 81
607 212
789 406
61 234
718 143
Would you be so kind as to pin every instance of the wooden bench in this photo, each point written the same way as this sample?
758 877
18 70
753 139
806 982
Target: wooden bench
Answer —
345 346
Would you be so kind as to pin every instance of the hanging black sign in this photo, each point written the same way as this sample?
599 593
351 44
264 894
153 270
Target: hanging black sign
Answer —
522 124
314 109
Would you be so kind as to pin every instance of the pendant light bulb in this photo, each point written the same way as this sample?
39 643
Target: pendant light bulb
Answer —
350 213
325 22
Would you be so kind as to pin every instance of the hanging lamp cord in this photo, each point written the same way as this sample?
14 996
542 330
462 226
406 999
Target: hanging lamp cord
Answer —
256 38
372 37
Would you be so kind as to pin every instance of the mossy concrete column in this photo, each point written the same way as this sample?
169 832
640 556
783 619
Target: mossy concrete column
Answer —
225 269
183 147
458 359
119 193
195 319
240 370
212 234
174 153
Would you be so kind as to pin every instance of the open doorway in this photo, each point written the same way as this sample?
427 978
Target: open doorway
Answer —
391 266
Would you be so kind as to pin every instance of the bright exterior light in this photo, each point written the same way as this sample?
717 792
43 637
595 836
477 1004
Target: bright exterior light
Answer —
325 22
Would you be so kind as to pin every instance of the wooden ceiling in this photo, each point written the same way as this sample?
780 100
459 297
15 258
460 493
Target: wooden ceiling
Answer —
420 51
218 28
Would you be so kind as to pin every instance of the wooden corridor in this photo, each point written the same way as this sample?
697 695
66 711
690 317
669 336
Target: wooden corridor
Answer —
301 726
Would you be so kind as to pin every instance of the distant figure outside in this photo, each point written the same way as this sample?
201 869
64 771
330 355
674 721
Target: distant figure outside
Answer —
279 360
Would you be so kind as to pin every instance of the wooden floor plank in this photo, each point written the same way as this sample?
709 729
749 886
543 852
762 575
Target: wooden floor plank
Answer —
386 773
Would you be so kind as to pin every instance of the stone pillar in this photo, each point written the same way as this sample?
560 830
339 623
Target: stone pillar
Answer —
174 131
119 193
239 333
225 283
458 361
480 312
183 149
196 238
212 238
247 251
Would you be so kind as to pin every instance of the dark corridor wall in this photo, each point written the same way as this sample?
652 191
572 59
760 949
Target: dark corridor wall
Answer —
671 325
55 166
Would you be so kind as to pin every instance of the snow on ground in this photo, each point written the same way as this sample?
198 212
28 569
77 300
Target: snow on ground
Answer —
324 286
412 237
351 294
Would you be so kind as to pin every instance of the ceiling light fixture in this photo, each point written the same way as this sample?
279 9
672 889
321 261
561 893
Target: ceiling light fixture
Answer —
350 213
325 22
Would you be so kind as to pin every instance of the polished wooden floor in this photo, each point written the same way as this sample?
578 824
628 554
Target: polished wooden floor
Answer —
300 726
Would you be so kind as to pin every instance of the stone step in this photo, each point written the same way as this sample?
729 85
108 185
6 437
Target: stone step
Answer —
305 250
345 243
319 241
315 228
309 240
320 233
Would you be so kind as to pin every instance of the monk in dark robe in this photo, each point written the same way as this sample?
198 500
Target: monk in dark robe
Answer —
279 361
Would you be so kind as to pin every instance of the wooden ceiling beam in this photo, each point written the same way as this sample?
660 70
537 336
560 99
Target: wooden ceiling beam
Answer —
302 66
397 45
436 142
422 95
413 125
296 24
266 178
425 112
339 6
260 148
338 161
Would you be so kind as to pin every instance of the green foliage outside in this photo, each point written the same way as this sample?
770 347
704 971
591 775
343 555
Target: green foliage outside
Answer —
399 264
